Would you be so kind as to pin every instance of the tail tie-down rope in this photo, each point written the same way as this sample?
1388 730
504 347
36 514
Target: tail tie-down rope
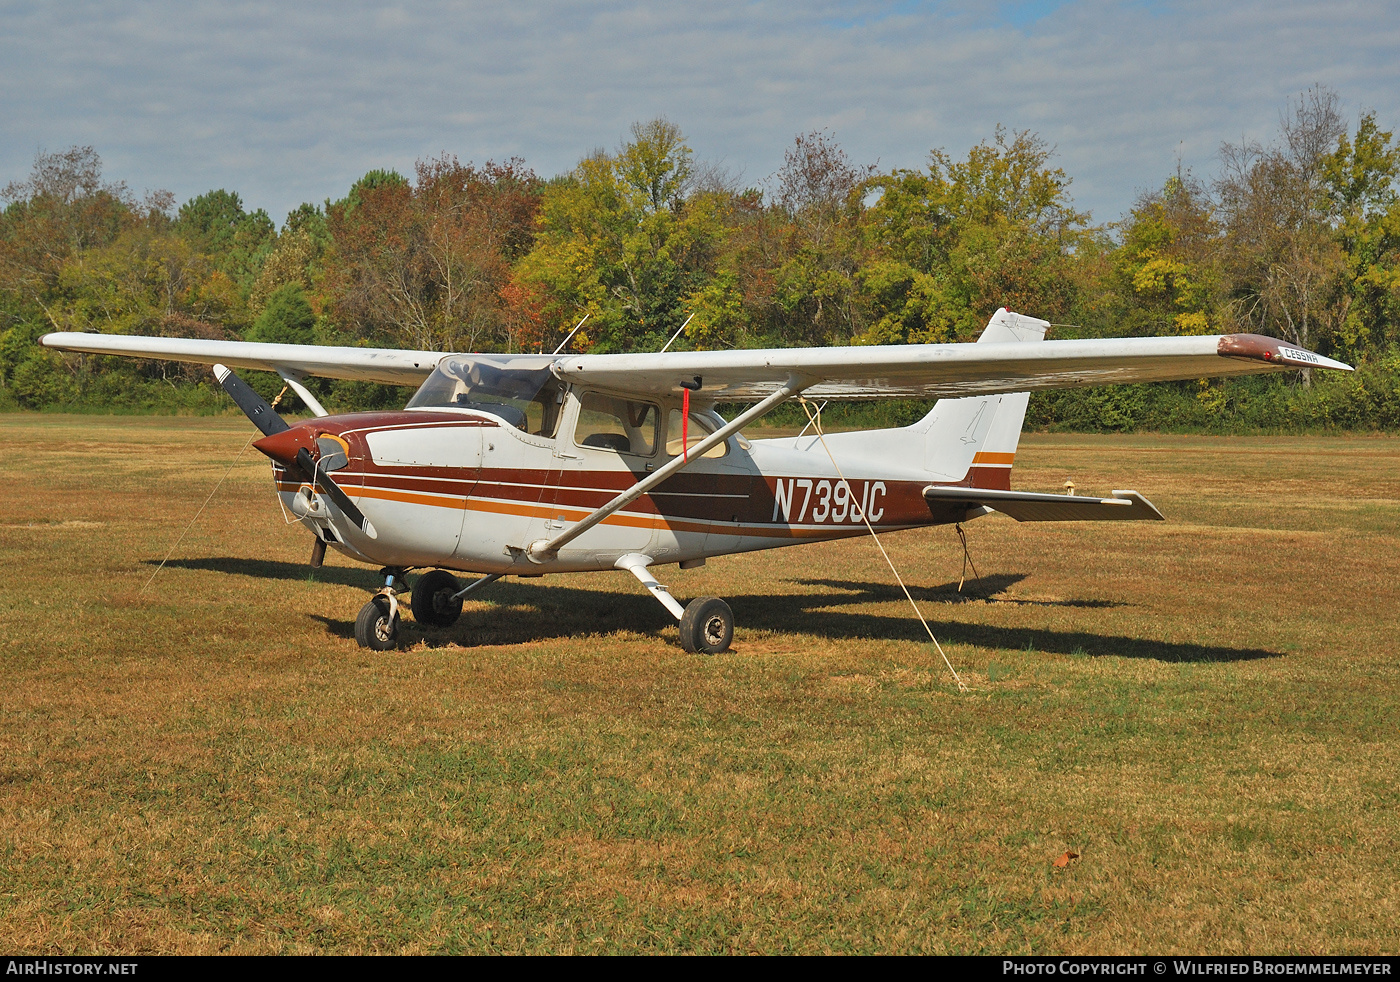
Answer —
967 558
816 424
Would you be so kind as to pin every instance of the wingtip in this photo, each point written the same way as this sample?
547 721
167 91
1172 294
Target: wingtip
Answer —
1259 347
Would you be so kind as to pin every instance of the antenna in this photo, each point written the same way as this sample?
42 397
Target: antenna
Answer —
677 334
571 334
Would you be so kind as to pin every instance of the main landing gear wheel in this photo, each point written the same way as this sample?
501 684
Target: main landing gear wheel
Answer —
432 601
707 626
377 628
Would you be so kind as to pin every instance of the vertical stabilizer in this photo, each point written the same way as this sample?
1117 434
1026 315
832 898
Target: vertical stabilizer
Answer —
974 439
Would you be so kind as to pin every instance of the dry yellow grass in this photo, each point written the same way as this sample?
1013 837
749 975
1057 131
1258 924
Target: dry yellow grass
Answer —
1204 710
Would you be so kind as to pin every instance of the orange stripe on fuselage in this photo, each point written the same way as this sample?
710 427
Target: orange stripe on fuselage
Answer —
987 457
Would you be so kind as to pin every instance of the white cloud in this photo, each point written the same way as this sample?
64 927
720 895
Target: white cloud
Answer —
290 102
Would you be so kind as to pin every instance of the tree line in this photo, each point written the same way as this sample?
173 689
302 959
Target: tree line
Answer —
1298 238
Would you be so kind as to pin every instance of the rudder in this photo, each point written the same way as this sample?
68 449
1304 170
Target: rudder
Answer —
973 439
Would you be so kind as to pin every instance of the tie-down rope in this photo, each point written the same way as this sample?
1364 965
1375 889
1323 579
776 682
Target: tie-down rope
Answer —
967 558
238 456
815 422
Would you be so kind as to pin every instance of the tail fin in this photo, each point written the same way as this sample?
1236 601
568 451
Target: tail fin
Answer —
972 440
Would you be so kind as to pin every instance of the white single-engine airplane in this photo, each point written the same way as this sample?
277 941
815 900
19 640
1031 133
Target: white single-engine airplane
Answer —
533 464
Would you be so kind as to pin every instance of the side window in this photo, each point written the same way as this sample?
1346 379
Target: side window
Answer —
700 427
611 423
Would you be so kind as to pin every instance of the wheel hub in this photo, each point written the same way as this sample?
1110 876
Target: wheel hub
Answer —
714 630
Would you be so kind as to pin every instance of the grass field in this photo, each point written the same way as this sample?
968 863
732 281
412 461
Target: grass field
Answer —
1205 710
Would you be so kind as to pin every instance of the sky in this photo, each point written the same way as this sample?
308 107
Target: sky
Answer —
291 102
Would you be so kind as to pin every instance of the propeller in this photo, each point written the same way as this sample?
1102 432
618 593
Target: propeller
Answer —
265 418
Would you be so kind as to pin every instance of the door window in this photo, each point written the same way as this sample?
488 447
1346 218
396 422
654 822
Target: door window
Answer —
620 425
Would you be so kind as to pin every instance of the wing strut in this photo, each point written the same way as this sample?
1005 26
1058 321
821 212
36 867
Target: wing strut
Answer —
540 550
293 378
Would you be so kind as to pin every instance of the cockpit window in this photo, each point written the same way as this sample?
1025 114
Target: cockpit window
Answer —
700 427
526 398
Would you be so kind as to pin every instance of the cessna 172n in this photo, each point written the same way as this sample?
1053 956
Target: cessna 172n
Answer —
533 464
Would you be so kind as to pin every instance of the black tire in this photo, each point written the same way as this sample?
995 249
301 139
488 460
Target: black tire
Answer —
432 601
376 628
707 626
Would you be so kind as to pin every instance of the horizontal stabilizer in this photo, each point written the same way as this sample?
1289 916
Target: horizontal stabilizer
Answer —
1025 506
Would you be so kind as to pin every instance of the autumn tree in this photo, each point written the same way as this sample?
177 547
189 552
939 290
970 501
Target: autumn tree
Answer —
815 247
422 264
958 240
295 256
235 241
63 209
1286 266
1359 177
78 253
628 239
1166 275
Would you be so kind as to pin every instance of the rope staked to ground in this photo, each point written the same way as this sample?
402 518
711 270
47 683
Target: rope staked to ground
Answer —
967 558
815 422
236 458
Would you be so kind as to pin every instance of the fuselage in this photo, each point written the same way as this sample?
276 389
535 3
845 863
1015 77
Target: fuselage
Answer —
470 489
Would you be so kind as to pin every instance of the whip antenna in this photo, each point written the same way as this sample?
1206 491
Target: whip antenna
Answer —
677 334
571 334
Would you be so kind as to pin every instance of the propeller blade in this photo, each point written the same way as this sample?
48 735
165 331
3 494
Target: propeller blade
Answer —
265 418
334 492
254 406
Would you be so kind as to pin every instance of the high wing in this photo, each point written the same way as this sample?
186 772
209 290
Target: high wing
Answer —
922 371
392 366
936 371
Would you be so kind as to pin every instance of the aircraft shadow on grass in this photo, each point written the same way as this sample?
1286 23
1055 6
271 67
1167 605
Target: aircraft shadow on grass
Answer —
271 569
521 612
984 588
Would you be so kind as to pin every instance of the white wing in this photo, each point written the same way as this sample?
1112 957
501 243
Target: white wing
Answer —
390 365
924 371
935 371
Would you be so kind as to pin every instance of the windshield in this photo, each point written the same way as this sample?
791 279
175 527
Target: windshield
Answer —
521 391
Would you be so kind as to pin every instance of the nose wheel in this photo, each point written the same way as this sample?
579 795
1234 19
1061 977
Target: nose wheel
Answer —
377 626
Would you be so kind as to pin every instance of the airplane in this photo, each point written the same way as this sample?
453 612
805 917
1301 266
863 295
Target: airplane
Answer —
525 464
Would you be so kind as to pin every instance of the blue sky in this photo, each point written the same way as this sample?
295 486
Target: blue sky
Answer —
291 102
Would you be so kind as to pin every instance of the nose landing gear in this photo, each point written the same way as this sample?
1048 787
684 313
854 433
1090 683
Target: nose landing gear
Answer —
436 601
377 626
